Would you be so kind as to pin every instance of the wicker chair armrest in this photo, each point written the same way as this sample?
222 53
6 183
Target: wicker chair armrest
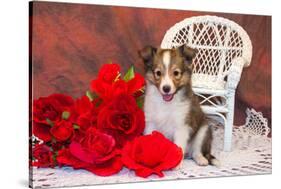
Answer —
235 72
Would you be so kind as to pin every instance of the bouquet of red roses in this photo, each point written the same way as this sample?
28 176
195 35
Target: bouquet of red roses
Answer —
101 131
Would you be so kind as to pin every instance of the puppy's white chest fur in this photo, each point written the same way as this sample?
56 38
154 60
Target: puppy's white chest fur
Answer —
166 117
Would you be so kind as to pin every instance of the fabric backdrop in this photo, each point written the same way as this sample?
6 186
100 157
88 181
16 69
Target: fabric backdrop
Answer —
69 42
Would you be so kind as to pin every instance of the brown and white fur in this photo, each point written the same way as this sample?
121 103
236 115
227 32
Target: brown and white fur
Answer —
170 105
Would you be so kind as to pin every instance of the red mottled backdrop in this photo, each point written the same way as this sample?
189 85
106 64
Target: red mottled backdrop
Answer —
70 42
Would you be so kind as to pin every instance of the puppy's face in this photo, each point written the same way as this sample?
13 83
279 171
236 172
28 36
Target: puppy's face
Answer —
168 69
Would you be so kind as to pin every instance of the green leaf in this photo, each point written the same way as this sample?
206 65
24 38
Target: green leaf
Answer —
54 156
130 74
76 126
65 115
140 101
49 122
89 94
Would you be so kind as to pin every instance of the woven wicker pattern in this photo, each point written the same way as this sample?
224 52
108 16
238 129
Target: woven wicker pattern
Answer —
218 41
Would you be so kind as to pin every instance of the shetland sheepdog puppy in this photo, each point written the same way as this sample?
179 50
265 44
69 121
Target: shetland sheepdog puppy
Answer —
170 105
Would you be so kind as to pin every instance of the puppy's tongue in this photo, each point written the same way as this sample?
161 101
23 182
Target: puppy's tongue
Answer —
168 97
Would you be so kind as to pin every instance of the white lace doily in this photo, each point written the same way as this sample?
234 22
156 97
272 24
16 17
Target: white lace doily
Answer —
251 154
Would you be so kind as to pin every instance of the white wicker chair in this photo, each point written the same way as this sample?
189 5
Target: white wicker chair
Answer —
224 48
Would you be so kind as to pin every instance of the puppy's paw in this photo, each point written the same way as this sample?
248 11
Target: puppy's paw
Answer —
201 160
216 163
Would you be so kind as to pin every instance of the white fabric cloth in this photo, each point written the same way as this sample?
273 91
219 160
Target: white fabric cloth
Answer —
251 154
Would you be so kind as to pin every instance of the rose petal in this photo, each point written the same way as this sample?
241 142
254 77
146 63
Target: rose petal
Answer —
64 157
108 168
41 131
77 151
136 83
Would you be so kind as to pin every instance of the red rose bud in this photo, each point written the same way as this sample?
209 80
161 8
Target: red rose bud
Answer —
151 154
43 156
62 130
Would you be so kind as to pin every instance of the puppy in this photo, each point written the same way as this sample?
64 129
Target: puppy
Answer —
170 105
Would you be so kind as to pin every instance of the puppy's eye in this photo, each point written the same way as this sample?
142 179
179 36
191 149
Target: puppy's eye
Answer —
176 73
158 73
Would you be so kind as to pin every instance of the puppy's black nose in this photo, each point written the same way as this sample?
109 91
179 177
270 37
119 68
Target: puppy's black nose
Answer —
166 88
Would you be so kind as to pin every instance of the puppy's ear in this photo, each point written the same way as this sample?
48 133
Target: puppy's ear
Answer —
147 54
187 52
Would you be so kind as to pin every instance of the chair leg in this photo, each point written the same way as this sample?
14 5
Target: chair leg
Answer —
229 121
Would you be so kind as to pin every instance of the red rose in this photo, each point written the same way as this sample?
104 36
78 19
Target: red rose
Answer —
109 72
62 130
106 76
94 147
108 83
86 113
94 152
130 87
51 107
151 154
48 110
121 118
43 156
